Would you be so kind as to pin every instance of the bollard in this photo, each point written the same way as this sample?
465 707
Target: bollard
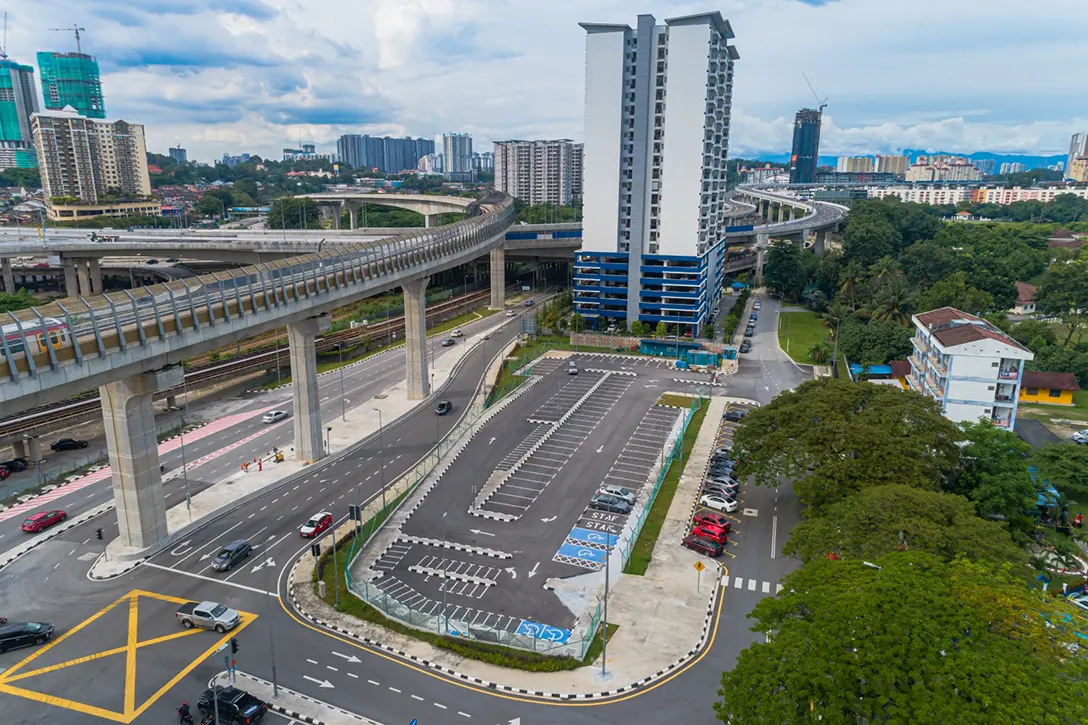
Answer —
260 465
321 588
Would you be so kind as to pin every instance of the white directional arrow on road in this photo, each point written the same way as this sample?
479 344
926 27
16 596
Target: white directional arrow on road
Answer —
184 546
209 555
491 441
262 565
352 658
512 571
532 572
319 683
515 721
548 521
480 533
600 449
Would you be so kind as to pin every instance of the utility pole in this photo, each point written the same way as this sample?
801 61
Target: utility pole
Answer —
74 29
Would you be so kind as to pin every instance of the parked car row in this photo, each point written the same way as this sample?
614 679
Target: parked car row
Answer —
1081 437
718 493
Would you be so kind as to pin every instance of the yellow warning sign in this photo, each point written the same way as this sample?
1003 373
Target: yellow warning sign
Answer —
699 566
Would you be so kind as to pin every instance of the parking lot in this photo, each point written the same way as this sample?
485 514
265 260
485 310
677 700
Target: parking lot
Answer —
486 568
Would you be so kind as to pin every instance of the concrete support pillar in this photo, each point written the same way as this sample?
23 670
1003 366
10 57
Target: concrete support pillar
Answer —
71 284
430 220
759 266
498 278
820 248
309 446
18 449
171 401
337 210
94 272
83 277
9 276
129 422
781 213
34 449
353 217
415 338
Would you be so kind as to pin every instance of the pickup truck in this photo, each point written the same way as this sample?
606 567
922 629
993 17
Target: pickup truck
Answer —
235 706
208 615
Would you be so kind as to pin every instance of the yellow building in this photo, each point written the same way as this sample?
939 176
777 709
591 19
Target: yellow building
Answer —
1048 388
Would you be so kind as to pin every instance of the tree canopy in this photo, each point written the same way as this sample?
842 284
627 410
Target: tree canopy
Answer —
834 437
912 639
993 471
883 519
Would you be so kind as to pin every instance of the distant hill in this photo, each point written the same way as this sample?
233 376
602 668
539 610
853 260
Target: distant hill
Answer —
1031 162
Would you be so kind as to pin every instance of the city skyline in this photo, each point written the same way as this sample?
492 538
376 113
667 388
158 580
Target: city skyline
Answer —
244 76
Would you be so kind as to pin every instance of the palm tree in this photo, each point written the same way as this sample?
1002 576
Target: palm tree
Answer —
849 278
884 271
894 303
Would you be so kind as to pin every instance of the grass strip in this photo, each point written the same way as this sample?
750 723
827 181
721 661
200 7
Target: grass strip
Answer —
651 527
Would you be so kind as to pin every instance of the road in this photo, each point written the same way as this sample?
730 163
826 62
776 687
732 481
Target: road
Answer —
152 677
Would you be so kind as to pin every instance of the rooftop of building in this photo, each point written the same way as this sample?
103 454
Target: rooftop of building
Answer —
952 327
1049 381
1025 292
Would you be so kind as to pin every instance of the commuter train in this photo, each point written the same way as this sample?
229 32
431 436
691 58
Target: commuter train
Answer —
55 335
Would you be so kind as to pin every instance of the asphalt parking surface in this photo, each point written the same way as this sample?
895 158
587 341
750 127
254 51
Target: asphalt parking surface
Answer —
614 437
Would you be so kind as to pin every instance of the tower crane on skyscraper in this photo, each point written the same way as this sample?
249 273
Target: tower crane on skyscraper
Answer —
823 103
75 29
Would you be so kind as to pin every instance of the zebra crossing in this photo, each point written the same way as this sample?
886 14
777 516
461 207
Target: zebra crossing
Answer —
751 585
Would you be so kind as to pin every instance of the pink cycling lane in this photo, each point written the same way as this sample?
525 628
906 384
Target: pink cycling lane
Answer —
173 444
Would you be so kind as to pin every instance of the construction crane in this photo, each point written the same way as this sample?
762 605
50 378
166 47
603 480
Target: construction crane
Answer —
75 29
823 103
4 48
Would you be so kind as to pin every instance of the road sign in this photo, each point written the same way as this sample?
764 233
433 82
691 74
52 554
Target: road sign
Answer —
525 288
414 722
699 566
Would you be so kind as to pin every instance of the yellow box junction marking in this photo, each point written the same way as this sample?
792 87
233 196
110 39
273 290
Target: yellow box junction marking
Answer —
132 645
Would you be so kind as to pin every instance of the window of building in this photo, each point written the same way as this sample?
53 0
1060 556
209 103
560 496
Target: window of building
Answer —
994 365
991 387
1032 391
1055 393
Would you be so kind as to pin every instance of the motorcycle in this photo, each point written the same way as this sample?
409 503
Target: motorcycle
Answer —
3 621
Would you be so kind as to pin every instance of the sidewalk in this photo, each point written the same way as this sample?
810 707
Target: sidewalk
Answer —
664 617
243 486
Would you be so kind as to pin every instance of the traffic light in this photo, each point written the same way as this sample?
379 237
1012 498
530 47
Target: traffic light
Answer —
98 533
234 645
355 512
315 549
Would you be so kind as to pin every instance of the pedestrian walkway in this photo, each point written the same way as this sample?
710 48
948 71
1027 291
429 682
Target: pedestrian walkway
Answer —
751 585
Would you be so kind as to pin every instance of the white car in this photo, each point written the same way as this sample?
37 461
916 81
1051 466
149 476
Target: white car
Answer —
619 492
457 333
511 313
274 416
1081 436
718 503
756 305
1078 600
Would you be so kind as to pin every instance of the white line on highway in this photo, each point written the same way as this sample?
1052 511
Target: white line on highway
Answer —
251 516
463 714
312 662
439 704
281 515
417 697
394 689
210 579
71 552
774 534
55 566
351 675
330 667
373 682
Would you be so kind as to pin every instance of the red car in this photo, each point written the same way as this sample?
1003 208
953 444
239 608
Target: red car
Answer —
711 532
317 523
702 545
43 520
4 473
704 518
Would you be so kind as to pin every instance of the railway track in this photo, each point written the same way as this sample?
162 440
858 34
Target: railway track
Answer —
36 420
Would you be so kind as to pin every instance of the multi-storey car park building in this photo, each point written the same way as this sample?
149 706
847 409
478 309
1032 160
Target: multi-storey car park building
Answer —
968 366
658 101
539 172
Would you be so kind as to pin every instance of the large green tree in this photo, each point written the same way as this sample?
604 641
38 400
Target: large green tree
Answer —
880 520
1064 465
834 438
867 238
918 640
993 471
1064 294
787 269
873 341
953 291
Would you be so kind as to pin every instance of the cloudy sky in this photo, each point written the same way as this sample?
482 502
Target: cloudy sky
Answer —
257 75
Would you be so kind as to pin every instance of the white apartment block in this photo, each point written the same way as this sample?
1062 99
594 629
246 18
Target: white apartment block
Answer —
658 100
539 172
968 366
854 165
892 164
87 158
1008 196
457 153
922 194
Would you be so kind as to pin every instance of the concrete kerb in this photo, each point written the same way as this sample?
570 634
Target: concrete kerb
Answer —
289 700
12 554
328 460
474 509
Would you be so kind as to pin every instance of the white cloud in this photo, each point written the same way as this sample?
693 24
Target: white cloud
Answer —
256 75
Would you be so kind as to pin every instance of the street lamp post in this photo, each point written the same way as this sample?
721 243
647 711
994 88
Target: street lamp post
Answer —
445 579
328 439
271 637
381 452
604 617
343 401
466 293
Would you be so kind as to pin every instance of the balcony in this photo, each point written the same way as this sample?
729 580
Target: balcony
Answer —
1003 399
1008 374
1001 422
